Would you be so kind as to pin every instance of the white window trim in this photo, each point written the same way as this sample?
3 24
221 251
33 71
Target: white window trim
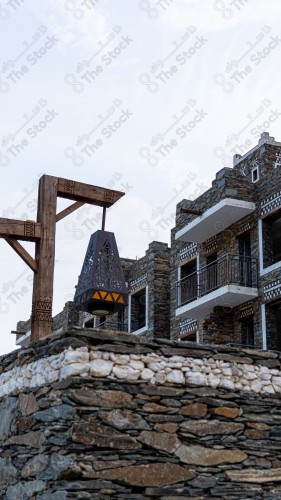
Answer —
144 328
269 269
263 323
255 169
92 316
179 289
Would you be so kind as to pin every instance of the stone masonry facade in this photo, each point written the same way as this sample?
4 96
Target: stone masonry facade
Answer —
255 177
105 415
153 280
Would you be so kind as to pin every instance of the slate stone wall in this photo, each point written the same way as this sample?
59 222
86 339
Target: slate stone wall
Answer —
92 436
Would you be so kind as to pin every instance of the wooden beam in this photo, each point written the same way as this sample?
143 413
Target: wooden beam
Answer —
69 210
20 229
94 195
190 211
22 253
41 317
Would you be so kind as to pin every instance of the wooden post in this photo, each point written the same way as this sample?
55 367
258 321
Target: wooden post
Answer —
41 317
43 233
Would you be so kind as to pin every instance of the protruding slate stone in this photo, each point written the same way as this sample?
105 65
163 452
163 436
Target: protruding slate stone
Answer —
169 427
123 419
54 413
30 439
35 467
155 408
8 473
194 410
207 427
227 412
102 436
157 474
160 441
198 455
8 418
105 399
28 404
254 475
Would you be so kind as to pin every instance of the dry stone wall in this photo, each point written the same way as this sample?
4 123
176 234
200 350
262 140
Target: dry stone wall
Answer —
99 415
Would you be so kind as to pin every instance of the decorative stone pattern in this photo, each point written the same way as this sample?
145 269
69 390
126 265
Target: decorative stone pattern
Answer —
187 252
94 435
188 325
270 204
272 290
138 283
211 244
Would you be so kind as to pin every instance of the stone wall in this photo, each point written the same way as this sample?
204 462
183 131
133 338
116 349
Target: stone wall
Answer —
99 415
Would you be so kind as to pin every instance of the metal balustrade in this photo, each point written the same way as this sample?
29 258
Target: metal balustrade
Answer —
227 270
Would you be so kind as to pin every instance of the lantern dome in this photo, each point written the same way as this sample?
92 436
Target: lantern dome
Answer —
101 288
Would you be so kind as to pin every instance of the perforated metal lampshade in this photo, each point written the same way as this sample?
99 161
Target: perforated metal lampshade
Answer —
101 287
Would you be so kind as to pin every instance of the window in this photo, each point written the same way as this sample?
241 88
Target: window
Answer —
188 288
245 268
90 322
211 271
190 337
255 174
271 240
138 310
273 320
247 331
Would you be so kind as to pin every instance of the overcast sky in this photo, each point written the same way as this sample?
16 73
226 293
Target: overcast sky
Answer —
148 97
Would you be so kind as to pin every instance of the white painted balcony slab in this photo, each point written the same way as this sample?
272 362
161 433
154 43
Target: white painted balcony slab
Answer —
226 296
215 219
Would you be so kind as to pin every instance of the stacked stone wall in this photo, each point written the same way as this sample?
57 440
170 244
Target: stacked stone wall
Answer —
99 415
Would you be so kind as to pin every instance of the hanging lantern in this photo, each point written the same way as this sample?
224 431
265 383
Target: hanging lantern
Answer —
101 288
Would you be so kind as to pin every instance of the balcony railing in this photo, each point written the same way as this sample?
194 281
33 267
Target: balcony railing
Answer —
227 270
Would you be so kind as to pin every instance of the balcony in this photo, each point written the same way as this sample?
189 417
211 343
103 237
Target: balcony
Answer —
229 281
215 219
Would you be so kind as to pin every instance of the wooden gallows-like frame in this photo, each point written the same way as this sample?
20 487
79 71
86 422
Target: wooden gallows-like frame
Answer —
42 232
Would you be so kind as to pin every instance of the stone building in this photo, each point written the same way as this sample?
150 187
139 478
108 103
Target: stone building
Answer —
226 261
220 282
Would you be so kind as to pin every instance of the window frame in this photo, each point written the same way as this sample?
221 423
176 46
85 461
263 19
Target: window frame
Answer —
145 327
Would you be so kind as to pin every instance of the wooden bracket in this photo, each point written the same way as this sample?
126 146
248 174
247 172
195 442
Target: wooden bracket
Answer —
69 210
22 253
